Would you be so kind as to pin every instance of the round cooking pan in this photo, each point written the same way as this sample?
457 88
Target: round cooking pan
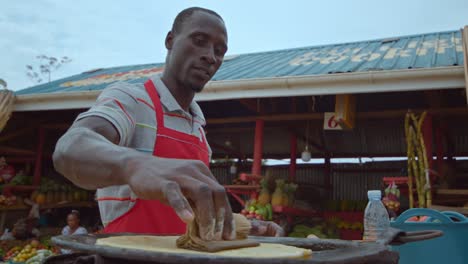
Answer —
324 251
328 251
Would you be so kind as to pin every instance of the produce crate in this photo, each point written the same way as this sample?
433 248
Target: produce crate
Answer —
450 248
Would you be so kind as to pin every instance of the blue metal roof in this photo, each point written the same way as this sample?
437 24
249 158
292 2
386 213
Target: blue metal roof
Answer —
430 50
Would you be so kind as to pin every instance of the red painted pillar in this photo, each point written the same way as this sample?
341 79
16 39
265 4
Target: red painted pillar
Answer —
39 153
292 164
258 148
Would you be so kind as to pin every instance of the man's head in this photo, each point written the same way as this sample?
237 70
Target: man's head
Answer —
73 219
196 46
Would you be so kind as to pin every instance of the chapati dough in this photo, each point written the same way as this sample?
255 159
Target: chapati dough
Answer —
191 239
167 244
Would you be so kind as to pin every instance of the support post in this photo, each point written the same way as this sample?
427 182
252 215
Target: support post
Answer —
292 164
39 153
258 148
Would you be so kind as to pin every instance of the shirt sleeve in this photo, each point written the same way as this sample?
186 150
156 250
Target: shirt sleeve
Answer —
116 104
65 231
81 231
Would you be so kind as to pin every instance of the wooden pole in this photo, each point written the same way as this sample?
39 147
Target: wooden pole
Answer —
465 56
292 164
258 148
39 152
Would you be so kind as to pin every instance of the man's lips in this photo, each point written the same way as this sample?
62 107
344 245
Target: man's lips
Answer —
203 71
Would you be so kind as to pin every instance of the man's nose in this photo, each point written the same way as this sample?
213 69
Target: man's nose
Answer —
209 55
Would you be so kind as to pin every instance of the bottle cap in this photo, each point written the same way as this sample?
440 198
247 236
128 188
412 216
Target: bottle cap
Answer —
374 195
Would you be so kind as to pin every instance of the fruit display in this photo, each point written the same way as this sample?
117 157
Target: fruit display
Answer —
7 172
7 200
31 253
255 210
391 198
264 197
238 181
323 231
277 197
51 192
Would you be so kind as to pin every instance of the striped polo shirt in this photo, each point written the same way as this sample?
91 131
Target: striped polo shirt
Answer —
129 108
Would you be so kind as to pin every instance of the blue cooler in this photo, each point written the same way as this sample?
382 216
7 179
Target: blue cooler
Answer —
451 248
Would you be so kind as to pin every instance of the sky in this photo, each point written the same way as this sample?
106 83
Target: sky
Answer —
100 34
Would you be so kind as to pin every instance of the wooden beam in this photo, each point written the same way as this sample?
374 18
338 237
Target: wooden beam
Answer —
17 133
253 104
465 56
234 152
457 111
16 151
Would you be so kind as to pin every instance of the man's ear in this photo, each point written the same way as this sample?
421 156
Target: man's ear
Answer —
169 40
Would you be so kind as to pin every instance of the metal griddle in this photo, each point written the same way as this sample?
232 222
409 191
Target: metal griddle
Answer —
328 251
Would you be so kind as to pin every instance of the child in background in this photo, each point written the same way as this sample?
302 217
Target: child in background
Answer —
73 227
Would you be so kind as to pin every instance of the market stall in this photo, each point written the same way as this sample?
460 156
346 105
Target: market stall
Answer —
311 110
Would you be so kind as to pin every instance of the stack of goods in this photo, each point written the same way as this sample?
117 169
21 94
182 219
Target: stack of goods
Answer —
238 181
347 216
254 209
284 194
262 208
391 198
7 172
52 192
30 253
323 231
7 201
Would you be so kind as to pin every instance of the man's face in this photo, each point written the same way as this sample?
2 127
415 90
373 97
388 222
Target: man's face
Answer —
72 221
197 50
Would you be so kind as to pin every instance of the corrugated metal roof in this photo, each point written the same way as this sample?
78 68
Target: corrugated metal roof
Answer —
430 50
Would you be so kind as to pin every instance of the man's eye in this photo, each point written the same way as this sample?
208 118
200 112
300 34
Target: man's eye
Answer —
219 52
199 40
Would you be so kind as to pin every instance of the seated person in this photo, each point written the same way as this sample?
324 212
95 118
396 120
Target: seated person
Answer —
73 228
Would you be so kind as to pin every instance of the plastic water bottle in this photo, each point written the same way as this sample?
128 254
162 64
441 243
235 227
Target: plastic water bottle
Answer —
376 219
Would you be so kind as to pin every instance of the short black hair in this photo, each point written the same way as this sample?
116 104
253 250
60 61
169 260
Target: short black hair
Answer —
76 213
187 13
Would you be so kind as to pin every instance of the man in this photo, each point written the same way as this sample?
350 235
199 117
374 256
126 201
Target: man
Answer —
109 147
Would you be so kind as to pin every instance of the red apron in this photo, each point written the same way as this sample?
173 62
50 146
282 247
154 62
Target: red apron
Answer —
151 216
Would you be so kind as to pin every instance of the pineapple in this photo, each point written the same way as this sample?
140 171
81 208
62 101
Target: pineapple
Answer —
264 197
277 198
285 199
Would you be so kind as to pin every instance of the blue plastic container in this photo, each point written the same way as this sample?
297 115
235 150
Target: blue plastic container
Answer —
451 248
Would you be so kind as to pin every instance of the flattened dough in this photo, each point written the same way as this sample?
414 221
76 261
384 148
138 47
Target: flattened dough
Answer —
167 244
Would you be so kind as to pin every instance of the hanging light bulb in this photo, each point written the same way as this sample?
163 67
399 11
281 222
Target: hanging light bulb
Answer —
233 169
306 155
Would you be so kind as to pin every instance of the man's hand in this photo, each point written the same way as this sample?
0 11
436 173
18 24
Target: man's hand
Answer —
182 184
266 228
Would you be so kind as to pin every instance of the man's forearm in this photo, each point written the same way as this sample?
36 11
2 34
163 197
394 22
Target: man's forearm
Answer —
90 160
